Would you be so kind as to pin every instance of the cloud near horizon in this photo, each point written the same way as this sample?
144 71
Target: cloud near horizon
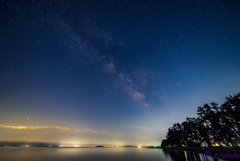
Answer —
136 127
34 127
20 127
89 130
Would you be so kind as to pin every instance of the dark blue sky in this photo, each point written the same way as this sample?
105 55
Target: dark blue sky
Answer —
118 72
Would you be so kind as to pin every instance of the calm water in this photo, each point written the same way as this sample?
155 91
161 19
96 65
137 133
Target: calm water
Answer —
97 154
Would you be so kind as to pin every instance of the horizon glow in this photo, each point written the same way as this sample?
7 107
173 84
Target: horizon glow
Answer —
120 73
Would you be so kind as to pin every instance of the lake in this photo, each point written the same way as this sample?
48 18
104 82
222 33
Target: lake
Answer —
98 154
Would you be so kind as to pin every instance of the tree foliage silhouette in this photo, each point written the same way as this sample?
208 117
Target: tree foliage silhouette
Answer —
214 124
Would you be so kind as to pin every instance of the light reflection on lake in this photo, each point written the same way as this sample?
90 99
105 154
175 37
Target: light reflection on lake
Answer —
98 154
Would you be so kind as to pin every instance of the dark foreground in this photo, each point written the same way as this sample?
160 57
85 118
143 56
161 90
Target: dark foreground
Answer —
99 154
225 153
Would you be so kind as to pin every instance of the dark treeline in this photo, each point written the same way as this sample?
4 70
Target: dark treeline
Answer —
214 125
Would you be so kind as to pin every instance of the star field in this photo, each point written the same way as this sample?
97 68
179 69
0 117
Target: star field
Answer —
118 72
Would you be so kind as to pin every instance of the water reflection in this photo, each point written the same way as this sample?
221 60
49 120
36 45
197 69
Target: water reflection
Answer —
98 154
179 155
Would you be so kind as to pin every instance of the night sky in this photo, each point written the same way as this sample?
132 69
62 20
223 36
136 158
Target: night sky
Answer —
113 71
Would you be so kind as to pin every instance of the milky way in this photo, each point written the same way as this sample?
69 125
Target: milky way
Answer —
117 72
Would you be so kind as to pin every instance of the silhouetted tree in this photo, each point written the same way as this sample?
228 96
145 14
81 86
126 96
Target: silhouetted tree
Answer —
219 124
209 115
164 143
174 135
